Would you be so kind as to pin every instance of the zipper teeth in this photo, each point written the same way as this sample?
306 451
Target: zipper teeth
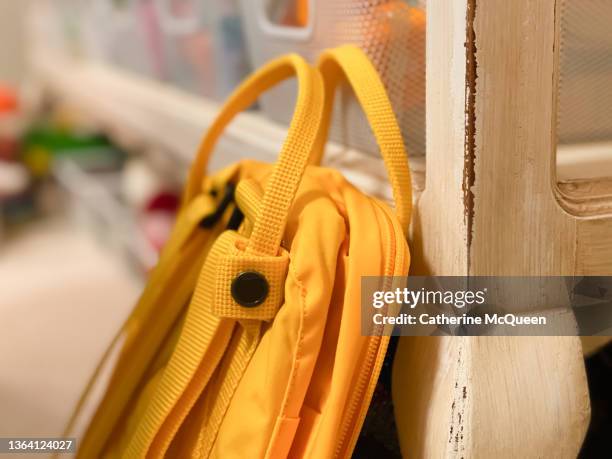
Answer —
360 392
373 361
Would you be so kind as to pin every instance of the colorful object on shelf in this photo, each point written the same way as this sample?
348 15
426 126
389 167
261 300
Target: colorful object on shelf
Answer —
10 126
46 141
8 100
290 13
159 217
17 189
401 25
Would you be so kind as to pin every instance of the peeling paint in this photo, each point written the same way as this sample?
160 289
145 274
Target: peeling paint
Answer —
456 442
471 74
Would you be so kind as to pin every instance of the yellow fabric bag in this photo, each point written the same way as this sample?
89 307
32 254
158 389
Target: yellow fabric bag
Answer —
246 342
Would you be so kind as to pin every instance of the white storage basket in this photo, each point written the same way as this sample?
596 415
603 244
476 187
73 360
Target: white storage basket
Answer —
125 33
203 45
391 32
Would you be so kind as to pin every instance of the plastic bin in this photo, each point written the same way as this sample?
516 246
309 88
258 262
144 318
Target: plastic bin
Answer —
204 49
391 32
125 33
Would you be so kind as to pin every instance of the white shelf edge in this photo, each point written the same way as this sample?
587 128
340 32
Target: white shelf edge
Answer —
584 161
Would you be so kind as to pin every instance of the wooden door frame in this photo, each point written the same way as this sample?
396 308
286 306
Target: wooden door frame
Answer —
492 206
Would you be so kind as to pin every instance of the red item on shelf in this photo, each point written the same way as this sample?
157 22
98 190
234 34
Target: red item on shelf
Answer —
158 218
9 102
9 108
164 201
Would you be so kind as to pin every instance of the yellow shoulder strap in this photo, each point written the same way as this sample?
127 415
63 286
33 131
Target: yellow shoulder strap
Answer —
351 64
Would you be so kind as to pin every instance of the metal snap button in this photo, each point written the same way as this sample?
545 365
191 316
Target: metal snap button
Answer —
250 289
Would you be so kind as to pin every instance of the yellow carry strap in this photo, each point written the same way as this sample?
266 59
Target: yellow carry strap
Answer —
205 336
294 154
349 63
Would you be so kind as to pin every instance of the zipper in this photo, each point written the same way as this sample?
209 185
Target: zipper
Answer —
375 354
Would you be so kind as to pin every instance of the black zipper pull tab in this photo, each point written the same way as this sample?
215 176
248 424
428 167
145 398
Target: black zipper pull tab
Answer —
211 219
235 220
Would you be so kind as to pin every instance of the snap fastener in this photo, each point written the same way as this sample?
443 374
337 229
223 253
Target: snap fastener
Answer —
250 289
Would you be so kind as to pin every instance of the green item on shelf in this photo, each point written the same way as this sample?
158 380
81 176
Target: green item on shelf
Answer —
45 142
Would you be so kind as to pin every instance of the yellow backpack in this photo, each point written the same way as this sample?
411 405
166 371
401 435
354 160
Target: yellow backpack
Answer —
246 342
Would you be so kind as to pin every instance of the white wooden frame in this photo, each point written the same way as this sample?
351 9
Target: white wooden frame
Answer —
492 206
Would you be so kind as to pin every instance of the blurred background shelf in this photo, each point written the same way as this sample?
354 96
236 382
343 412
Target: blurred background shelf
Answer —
158 118
95 203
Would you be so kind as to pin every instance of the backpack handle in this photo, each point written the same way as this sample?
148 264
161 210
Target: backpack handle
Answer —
294 156
302 129
305 140
349 63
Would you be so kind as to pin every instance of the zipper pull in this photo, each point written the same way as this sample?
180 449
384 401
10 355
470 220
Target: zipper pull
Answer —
211 219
